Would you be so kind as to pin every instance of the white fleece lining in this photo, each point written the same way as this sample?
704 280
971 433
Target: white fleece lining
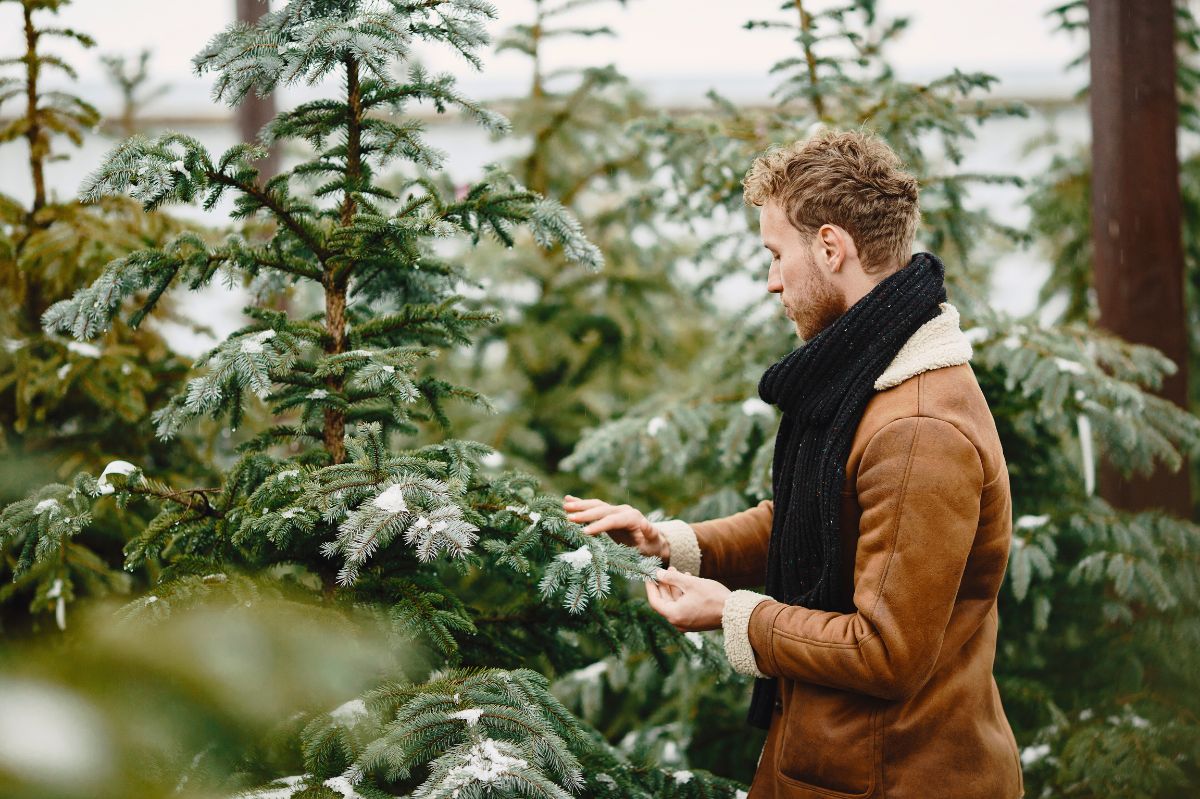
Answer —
735 621
685 550
937 343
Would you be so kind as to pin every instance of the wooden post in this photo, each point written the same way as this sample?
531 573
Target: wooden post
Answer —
1136 230
254 111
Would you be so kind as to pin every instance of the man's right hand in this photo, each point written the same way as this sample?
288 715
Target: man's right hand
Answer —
624 524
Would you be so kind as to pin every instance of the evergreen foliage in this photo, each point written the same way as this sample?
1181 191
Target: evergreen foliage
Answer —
524 659
1097 611
327 497
571 345
185 702
64 404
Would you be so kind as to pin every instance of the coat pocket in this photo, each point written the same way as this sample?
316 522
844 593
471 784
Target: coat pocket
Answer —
830 741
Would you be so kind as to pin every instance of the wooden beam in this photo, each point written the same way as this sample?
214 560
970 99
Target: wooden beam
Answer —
1136 213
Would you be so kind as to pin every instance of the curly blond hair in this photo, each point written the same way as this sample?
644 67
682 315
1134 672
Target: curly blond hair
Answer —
849 178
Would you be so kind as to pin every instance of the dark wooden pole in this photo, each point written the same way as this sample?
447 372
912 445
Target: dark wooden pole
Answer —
1136 232
254 111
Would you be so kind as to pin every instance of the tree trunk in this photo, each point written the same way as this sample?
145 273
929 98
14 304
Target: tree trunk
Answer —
1136 229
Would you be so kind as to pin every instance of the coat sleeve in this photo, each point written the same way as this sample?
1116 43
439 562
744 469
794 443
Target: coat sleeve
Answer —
919 486
731 550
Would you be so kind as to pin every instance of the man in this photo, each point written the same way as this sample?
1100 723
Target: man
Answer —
887 538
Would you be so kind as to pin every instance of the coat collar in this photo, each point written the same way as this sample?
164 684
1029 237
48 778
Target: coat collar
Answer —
937 343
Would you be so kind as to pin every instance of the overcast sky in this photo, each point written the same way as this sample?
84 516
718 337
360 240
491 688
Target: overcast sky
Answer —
676 48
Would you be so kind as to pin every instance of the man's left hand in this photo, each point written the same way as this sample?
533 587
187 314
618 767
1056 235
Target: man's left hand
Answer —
690 603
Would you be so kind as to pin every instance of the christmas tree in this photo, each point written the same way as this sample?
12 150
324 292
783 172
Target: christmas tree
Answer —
475 566
572 345
65 404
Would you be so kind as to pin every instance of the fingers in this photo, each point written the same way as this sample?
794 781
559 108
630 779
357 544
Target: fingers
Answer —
609 523
662 598
593 513
673 577
575 502
654 595
606 518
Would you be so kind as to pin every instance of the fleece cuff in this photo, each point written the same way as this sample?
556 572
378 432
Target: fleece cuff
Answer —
735 622
685 551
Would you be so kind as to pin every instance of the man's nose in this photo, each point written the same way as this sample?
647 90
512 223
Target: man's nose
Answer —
774 281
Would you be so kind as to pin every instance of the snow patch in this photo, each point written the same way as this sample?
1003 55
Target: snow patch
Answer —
44 506
1031 522
577 558
290 785
60 606
683 776
391 500
1067 365
1086 454
49 737
756 407
350 712
485 763
1032 754
317 393
655 425
84 349
114 467
470 715
254 343
342 786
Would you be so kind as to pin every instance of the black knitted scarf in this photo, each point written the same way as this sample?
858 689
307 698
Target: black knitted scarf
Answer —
822 388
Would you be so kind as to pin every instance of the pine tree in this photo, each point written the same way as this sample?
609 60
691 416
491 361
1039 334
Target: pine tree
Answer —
1099 608
476 566
132 81
577 347
575 344
67 405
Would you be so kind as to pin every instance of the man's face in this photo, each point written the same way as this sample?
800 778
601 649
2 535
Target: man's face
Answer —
809 297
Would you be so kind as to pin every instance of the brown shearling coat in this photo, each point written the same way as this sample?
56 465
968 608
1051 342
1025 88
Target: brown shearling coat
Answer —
896 699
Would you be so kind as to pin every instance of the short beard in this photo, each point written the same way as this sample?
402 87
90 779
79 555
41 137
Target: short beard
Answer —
825 304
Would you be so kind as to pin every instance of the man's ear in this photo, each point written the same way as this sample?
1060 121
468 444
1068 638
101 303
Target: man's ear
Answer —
832 246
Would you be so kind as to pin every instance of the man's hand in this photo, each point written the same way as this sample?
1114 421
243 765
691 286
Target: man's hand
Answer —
690 603
624 524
